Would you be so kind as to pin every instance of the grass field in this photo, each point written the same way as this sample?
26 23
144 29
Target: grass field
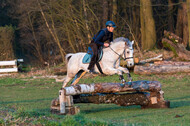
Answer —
26 101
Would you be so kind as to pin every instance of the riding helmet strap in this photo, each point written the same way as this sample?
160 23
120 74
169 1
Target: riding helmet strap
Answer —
99 68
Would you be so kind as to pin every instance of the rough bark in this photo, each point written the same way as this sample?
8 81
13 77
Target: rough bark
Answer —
86 21
105 12
188 18
162 69
147 99
182 23
114 10
185 26
173 37
157 58
148 94
113 87
127 99
171 63
170 16
179 24
178 49
148 32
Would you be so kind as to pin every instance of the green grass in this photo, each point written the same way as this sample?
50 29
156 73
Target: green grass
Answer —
27 101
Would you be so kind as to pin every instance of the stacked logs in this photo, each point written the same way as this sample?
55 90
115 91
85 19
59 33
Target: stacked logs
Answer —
175 44
148 94
163 67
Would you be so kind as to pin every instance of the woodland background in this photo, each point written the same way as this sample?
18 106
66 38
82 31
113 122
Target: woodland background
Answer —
43 31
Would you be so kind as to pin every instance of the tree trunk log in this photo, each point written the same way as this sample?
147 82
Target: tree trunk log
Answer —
163 69
177 48
171 63
113 87
127 99
173 37
157 58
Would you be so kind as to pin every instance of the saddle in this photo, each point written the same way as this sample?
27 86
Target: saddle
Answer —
89 54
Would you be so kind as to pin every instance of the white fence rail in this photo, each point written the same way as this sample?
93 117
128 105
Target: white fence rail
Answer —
10 66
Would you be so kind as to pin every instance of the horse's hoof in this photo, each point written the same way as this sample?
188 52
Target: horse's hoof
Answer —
129 83
122 85
130 80
123 81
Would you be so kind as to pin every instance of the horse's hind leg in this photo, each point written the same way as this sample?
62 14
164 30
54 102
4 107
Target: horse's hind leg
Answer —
67 79
78 76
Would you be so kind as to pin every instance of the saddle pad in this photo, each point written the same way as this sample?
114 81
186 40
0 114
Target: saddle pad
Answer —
87 57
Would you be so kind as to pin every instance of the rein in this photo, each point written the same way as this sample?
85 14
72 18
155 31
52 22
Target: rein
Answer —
125 58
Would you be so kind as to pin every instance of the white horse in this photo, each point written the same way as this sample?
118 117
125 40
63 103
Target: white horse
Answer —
120 47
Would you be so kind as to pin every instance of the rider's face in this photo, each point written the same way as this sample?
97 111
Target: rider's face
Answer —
110 29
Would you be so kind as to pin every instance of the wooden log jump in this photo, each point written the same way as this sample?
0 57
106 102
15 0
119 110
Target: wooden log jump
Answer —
148 94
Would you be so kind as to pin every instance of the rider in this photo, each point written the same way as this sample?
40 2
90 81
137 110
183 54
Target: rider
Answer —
98 41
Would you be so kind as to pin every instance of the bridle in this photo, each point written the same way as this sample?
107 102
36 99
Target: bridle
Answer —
125 58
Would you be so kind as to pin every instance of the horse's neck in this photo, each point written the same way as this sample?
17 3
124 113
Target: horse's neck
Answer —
115 50
118 47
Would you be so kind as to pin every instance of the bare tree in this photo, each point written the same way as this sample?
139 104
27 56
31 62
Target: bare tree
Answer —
182 22
170 16
188 17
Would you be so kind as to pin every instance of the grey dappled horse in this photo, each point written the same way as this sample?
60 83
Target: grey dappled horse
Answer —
110 62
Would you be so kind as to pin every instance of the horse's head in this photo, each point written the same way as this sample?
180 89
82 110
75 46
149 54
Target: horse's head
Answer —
128 53
124 47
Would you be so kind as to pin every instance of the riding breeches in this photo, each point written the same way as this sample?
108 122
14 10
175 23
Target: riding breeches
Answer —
94 57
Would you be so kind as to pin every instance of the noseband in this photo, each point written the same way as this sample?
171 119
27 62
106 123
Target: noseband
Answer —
125 58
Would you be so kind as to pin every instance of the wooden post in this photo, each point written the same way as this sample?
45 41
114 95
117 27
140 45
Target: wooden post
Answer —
62 100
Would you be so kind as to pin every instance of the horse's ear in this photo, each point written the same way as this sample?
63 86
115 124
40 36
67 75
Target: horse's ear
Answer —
133 42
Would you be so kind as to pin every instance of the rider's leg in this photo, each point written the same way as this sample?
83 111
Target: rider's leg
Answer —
94 57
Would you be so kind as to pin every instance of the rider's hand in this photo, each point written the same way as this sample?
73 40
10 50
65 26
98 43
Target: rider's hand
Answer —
106 44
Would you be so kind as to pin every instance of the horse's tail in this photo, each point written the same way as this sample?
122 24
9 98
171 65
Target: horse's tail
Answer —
67 57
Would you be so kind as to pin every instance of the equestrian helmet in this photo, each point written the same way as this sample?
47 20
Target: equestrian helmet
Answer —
110 24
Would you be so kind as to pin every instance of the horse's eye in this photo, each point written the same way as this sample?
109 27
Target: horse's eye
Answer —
128 52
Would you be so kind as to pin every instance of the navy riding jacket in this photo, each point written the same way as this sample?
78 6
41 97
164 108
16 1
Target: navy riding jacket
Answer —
102 36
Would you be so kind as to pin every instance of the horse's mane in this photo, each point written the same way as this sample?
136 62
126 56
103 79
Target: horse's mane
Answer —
119 39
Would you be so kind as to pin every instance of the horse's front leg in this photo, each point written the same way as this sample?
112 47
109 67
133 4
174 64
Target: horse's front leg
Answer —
125 70
112 71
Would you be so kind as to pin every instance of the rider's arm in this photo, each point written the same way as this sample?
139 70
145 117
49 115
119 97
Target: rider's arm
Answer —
99 37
